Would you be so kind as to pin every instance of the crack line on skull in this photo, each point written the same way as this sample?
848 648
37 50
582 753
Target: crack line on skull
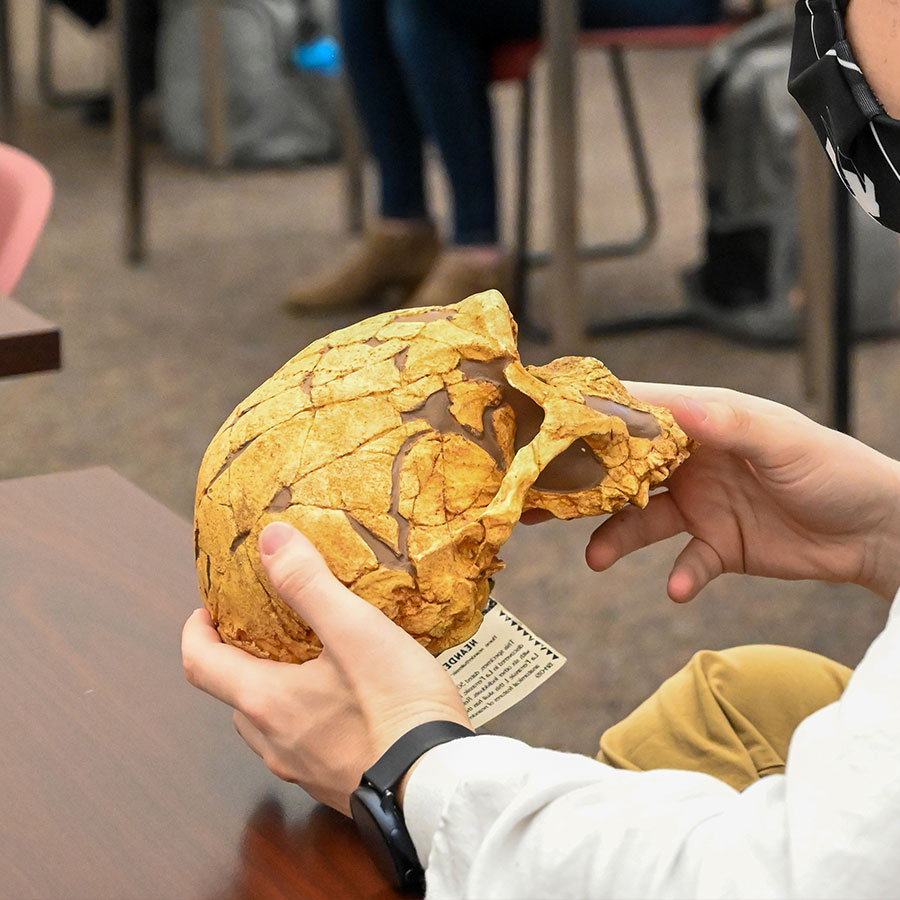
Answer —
334 459
435 412
337 374
388 557
230 457
238 542
405 416
289 387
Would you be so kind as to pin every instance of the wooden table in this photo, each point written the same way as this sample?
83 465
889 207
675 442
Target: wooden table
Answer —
118 780
28 342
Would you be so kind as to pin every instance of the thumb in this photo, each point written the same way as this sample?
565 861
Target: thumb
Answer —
303 580
742 425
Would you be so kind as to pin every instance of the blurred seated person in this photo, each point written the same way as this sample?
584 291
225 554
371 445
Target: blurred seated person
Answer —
420 68
95 13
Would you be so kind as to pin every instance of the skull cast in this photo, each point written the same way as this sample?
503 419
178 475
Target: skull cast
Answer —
406 448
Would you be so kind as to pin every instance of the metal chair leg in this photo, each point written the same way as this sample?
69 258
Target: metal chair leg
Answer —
47 89
353 158
650 223
649 227
842 318
651 319
825 282
128 128
560 30
214 87
518 301
6 76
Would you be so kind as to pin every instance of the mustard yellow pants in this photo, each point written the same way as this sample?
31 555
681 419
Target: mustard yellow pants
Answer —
729 713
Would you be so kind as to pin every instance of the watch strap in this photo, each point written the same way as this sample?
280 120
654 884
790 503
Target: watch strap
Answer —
395 762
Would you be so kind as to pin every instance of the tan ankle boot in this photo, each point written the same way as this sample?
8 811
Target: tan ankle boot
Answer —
382 261
457 275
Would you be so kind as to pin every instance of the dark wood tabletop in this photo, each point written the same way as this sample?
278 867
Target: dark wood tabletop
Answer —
28 342
117 779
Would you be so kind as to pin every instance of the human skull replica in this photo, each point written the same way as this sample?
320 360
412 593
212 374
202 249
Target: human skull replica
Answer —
406 448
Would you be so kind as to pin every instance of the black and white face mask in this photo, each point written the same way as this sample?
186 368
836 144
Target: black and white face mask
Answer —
860 138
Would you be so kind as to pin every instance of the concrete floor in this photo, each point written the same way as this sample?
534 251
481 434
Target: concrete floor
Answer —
156 357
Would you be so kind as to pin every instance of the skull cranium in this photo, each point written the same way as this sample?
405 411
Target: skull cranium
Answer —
406 448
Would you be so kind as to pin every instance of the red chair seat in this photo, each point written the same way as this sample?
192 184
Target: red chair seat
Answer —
513 61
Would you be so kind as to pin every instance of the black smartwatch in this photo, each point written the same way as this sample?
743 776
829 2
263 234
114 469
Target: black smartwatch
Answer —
377 815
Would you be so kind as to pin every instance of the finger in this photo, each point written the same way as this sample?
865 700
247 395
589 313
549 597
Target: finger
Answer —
729 420
302 579
694 568
663 394
217 668
666 394
633 528
766 434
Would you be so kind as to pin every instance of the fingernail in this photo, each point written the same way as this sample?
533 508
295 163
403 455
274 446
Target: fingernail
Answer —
274 536
696 410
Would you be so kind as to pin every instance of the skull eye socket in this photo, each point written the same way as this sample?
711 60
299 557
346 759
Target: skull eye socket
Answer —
575 469
638 423
529 416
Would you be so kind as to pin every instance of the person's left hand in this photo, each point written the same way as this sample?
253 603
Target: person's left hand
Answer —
323 723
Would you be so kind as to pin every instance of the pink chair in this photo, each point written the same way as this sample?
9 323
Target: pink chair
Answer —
26 191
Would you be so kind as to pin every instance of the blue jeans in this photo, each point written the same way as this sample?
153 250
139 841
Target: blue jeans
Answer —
420 67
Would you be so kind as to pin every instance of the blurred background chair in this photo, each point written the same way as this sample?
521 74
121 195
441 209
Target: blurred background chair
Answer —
235 47
28 342
516 62
26 191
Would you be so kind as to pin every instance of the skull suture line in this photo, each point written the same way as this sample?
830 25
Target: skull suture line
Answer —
406 448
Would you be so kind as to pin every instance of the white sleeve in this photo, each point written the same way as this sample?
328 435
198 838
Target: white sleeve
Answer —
496 818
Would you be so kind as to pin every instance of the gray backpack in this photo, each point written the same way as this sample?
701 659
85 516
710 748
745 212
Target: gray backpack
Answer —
751 263
277 114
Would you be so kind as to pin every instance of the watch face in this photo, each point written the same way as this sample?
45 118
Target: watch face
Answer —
381 827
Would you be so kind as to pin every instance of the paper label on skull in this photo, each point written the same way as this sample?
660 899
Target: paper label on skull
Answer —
501 664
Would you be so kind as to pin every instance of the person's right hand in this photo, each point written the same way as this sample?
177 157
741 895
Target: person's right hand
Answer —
768 492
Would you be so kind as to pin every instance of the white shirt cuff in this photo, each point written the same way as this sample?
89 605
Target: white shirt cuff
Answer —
436 777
